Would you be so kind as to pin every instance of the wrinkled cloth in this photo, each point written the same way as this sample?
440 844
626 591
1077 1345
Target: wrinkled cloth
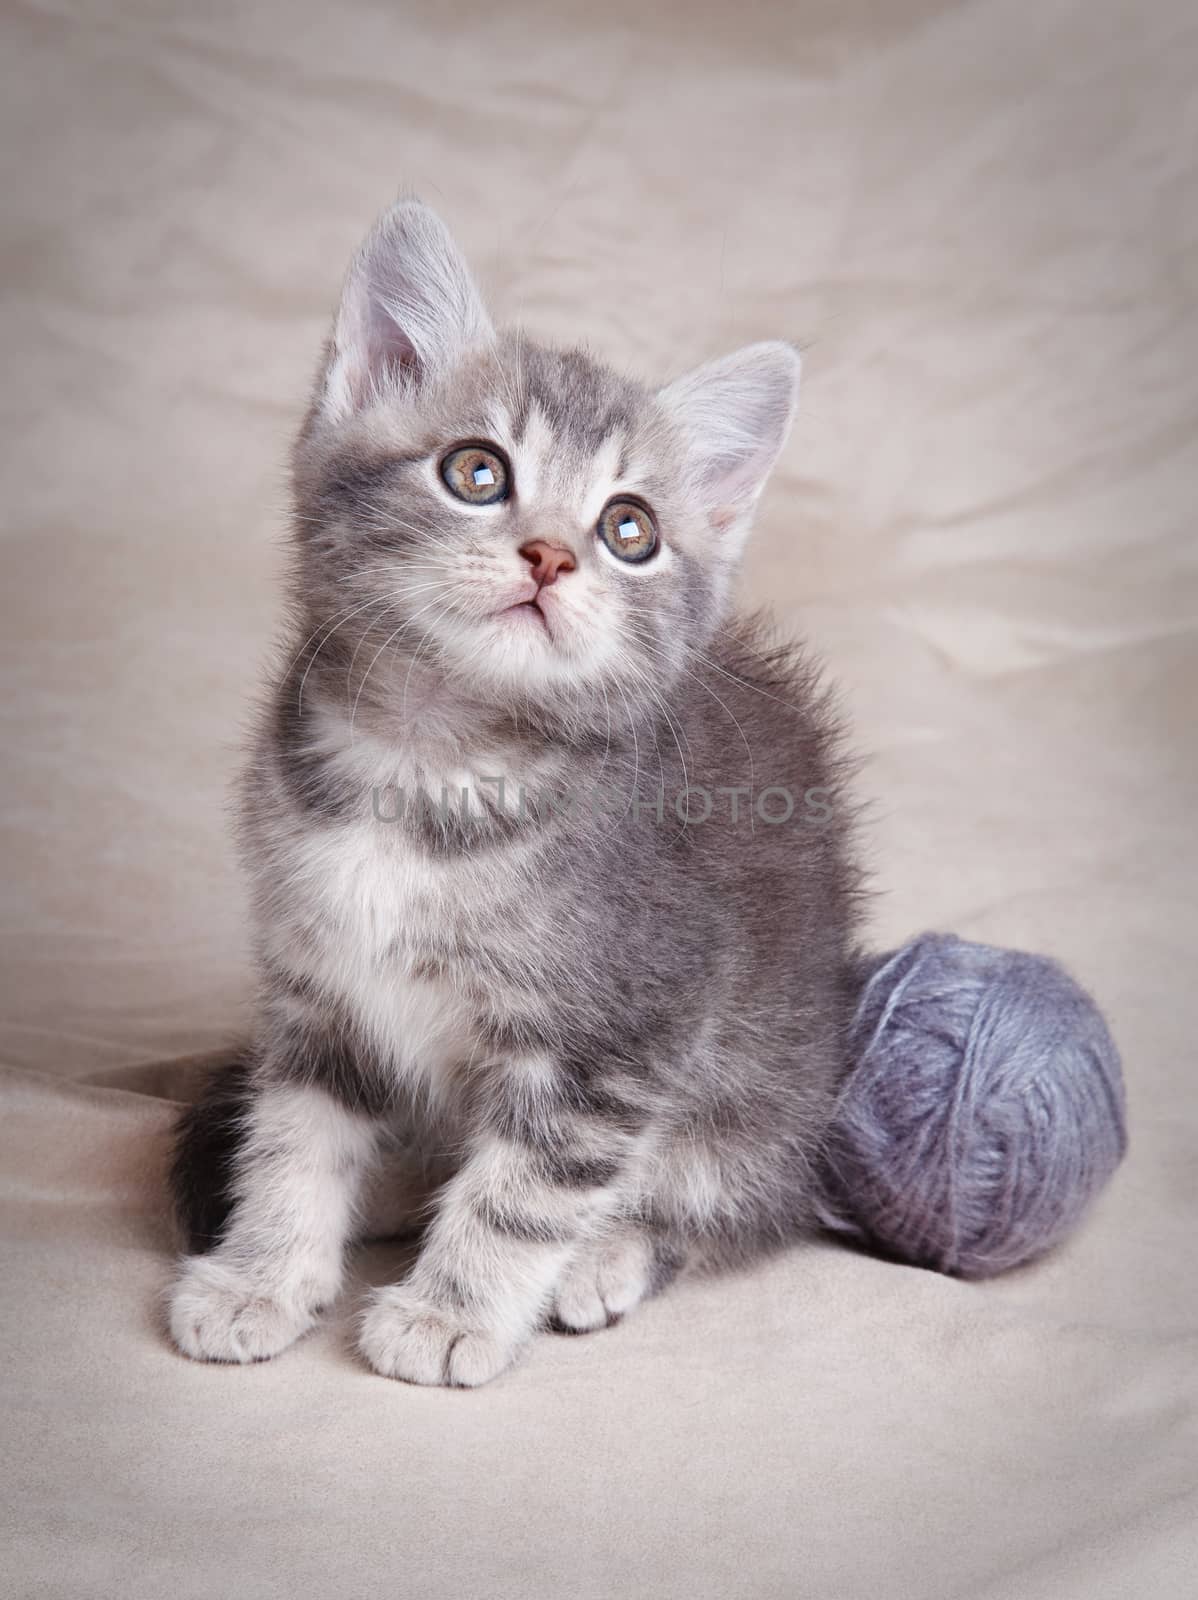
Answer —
979 223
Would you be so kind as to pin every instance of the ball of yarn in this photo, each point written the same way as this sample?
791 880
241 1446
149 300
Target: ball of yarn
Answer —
984 1112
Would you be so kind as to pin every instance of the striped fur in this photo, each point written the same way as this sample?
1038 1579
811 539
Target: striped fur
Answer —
615 1036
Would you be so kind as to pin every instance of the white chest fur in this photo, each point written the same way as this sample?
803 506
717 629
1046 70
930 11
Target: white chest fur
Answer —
365 914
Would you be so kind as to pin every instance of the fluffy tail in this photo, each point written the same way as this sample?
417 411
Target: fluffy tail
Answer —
207 1138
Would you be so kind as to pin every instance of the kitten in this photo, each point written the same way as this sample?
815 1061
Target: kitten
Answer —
548 860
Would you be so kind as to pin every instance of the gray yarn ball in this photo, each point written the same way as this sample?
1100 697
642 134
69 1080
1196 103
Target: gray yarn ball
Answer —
984 1113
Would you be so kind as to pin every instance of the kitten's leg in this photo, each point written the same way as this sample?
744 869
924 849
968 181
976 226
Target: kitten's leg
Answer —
627 1262
295 1173
544 1171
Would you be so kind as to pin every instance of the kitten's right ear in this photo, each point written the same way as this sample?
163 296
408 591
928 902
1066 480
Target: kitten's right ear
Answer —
408 311
735 414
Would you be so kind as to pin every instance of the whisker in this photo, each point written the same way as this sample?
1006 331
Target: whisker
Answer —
411 664
343 619
374 659
636 771
707 689
349 671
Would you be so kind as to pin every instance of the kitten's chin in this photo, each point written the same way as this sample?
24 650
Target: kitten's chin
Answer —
523 649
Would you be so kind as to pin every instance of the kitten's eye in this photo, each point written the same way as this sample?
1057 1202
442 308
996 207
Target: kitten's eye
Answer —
476 473
628 530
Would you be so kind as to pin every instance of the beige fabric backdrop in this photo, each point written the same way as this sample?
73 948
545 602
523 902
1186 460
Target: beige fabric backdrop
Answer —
980 221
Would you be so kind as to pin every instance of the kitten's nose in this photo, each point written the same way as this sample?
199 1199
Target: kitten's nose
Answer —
547 560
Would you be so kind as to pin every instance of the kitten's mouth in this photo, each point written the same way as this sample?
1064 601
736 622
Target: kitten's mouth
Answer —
529 612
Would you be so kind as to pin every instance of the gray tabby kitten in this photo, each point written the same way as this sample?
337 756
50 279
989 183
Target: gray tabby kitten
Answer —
606 999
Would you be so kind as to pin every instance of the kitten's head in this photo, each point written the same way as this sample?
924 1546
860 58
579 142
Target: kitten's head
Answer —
540 533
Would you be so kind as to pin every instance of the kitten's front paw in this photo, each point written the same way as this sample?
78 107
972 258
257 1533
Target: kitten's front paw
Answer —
219 1314
403 1336
604 1281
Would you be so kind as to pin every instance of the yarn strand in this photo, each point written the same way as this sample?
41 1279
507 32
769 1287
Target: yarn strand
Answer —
984 1111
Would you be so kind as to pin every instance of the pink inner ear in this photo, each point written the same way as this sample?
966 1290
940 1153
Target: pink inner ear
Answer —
373 353
390 355
408 308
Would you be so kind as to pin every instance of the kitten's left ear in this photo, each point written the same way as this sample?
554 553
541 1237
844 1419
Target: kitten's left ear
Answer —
408 311
735 414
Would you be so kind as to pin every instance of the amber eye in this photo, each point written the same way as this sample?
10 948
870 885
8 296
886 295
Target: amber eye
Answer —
628 530
476 473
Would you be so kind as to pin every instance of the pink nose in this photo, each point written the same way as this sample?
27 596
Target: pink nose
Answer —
547 560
